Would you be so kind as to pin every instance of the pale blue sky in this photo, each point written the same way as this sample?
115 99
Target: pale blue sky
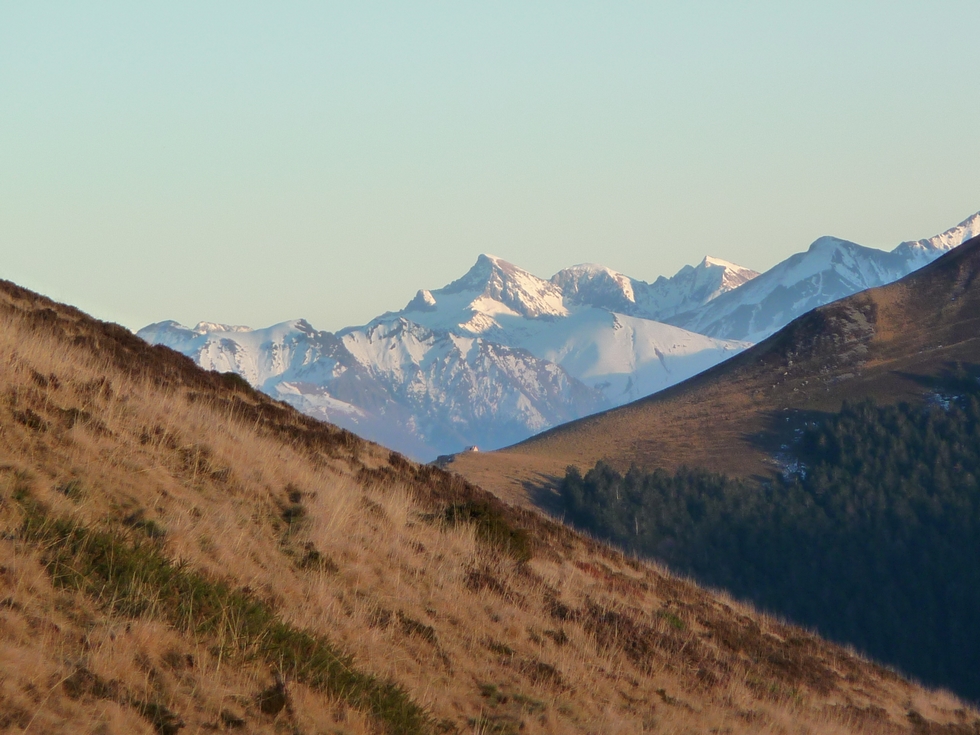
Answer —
251 163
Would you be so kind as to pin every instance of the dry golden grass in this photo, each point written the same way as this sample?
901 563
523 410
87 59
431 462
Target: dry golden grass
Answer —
351 544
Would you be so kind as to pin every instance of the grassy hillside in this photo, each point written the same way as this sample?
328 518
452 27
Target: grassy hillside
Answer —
884 343
179 553
870 536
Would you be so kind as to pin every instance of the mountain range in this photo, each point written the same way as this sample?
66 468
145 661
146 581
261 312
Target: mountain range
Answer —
488 360
499 354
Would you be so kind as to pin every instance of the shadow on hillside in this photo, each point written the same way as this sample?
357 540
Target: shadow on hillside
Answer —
543 493
955 377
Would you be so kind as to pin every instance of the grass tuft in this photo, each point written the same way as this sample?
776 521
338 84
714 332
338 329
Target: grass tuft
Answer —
235 382
492 527
132 577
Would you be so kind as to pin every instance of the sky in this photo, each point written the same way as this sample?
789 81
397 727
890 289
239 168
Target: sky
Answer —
250 163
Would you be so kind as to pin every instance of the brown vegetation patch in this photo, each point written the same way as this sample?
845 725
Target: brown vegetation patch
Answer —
83 683
485 578
796 661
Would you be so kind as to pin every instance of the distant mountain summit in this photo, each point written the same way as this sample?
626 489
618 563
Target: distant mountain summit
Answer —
892 343
500 354
829 270
493 357
690 288
493 280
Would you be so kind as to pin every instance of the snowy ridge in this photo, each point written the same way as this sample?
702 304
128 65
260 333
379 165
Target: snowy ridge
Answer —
495 281
829 270
500 354
583 319
922 252
691 287
488 360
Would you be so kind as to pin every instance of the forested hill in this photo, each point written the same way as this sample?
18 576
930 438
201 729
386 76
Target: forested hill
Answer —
872 534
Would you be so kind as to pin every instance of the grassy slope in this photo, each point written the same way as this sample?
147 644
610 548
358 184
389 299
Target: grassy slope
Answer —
729 418
173 547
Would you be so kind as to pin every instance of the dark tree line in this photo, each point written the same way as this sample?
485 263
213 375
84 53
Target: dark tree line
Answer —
873 539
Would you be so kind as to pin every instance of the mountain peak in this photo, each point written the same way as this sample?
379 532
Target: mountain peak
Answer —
588 269
827 242
208 327
965 230
710 262
493 259
423 301
522 292
596 285
479 274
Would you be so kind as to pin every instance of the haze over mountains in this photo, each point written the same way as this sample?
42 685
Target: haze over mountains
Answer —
500 354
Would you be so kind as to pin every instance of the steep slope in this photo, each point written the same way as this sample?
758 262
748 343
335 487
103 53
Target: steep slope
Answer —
878 343
323 581
829 270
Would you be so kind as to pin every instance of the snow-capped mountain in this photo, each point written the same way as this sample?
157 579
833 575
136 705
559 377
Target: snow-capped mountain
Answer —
488 360
829 270
623 357
500 354
413 389
690 288
918 253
